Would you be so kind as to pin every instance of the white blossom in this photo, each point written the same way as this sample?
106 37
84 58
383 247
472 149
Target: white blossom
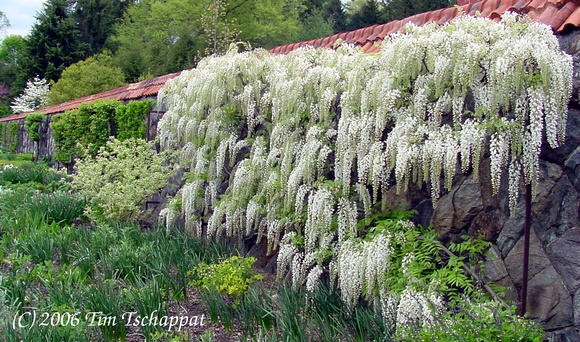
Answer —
35 95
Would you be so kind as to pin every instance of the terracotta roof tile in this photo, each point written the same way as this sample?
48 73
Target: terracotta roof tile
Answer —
128 92
559 14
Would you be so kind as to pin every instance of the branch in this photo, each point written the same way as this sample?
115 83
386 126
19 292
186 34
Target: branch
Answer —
236 6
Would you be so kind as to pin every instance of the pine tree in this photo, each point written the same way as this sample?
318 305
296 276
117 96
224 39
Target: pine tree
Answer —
400 9
53 43
334 11
368 15
95 20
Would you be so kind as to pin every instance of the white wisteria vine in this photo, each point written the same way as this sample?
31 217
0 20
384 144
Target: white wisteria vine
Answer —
298 148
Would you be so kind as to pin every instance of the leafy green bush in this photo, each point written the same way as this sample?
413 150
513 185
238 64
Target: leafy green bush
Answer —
28 172
232 276
32 124
120 178
90 125
130 119
478 322
95 74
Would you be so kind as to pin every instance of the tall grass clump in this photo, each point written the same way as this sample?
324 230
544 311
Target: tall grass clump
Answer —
28 172
62 207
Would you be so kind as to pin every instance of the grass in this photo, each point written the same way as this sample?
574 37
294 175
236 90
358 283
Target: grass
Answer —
52 263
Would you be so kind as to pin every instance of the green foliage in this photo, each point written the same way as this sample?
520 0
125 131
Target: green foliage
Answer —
24 156
314 25
120 178
93 123
146 44
400 9
95 21
108 268
218 29
14 136
95 74
53 43
131 119
28 172
417 258
266 23
12 50
9 135
478 322
90 125
32 123
232 276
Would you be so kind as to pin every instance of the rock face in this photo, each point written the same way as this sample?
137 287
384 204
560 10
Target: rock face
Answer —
554 265
471 208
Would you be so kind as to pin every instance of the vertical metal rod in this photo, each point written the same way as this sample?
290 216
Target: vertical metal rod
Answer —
527 225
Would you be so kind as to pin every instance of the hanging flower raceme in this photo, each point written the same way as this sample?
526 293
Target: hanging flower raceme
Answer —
304 145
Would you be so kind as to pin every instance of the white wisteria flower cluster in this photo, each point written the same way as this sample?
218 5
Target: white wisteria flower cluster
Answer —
297 148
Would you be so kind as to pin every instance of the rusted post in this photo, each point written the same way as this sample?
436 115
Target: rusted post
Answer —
527 227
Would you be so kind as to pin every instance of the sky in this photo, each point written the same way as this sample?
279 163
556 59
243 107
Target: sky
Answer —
21 14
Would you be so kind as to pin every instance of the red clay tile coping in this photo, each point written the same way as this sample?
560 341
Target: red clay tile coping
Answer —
130 91
559 14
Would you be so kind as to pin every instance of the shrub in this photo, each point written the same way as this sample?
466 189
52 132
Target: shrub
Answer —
90 125
32 124
28 172
130 119
478 322
93 75
93 123
120 178
232 276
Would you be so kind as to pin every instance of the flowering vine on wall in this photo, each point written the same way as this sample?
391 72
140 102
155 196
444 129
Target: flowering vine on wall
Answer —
298 148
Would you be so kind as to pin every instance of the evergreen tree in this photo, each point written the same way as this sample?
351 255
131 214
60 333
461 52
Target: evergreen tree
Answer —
369 14
400 9
53 43
316 26
334 12
95 20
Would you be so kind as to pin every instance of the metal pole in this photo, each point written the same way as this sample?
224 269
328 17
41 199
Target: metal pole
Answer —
527 224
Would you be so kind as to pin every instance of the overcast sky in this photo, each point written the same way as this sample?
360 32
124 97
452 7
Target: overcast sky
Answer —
21 14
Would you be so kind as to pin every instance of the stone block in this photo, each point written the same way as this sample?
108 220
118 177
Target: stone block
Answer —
549 301
538 260
564 255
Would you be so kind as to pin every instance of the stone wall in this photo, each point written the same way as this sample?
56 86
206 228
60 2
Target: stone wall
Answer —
554 268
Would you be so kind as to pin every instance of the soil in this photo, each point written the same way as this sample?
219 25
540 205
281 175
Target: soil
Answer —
195 307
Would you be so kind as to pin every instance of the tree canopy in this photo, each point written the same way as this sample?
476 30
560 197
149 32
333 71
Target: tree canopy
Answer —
53 43
93 75
149 38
